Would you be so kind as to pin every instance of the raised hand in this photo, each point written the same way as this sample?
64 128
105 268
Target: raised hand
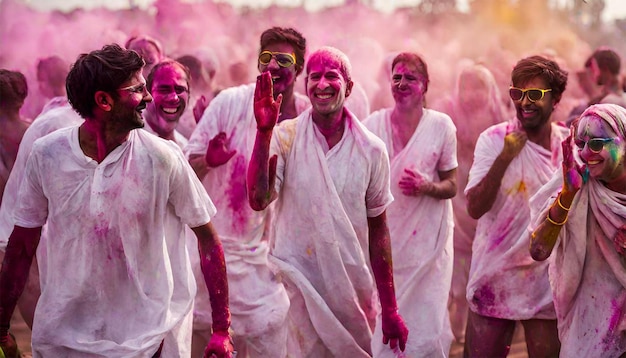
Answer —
220 346
266 109
217 153
394 330
572 172
513 144
199 107
413 184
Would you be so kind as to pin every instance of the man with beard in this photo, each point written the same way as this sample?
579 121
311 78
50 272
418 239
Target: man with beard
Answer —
115 277
512 160
330 177
219 150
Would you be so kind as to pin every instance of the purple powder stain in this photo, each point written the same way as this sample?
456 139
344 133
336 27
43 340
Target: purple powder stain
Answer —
484 297
414 232
237 193
616 317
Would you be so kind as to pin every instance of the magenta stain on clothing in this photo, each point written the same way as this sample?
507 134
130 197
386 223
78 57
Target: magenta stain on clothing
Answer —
484 297
616 317
237 193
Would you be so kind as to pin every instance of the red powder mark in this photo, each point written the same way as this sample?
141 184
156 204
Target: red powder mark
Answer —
484 297
237 193
616 317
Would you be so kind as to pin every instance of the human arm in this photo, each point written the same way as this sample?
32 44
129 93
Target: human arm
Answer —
199 108
213 267
395 331
543 238
481 197
413 184
18 258
262 169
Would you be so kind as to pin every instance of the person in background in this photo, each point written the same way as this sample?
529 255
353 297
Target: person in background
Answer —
421 144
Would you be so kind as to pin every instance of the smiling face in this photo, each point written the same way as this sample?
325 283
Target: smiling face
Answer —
534 115
170 91
407 85
325 85
283 78
607 164
126 113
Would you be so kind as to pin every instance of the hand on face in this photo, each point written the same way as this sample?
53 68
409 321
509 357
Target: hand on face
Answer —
395 331
266 109
217 153
513 144
572 172
219 346
413 184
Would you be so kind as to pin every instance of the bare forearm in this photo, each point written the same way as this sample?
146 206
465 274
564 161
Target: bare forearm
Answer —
445 189
213 266
543 239
382 264
199 166
18 258
260 192
480 198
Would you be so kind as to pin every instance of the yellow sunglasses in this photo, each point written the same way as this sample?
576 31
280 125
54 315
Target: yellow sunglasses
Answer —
282 59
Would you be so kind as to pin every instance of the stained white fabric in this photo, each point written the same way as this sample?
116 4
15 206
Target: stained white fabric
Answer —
179 139
48 122
587 274
115 275
502 271
320 246
421 230
258 302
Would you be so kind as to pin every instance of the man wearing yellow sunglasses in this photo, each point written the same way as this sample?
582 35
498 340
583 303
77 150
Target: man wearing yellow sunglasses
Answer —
219 151
512 160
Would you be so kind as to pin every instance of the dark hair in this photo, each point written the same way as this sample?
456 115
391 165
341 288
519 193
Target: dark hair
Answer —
55 70
536 66
101 70
169 62
607 60
13 88
290 36
415 60
195 67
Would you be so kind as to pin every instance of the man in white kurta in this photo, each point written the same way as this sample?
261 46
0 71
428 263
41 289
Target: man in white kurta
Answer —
421 230
258 301
322 255
501 267
113 240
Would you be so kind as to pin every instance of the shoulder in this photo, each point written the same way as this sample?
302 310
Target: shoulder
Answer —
377 117
440 118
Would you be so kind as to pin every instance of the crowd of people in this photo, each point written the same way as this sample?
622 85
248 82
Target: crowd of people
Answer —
155 203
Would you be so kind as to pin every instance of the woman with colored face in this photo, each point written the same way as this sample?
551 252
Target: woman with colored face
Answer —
580 215
421 143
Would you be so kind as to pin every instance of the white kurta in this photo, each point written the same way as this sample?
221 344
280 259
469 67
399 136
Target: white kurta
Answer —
505 282
321 234
587 273
421 231
115 276
258 303
48 122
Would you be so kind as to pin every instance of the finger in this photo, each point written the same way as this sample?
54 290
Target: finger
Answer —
393 343
410 172
403 344
267 89
257 89
385 339
232 153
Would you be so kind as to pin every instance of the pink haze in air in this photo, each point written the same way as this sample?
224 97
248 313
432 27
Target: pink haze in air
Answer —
496 37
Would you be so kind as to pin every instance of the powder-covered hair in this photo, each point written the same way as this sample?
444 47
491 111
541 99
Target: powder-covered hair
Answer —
414 59
13 88
100 70
612 114
53 69
331 55
537 66
286 35
165 63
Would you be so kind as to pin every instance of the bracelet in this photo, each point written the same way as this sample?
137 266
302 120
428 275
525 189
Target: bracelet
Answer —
554 222
558 201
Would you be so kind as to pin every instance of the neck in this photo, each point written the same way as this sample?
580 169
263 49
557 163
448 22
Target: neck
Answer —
407 116
331 126
542 135
288 106
10 116
97 139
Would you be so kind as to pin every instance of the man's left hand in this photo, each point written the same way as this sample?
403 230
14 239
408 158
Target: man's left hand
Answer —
220 346
394 330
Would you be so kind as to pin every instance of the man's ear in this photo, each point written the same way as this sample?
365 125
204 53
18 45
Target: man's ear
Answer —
349 86
104 100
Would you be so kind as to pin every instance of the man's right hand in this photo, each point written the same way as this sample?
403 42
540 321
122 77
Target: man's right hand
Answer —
217 153
9 347
266 109
513 144
220 345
